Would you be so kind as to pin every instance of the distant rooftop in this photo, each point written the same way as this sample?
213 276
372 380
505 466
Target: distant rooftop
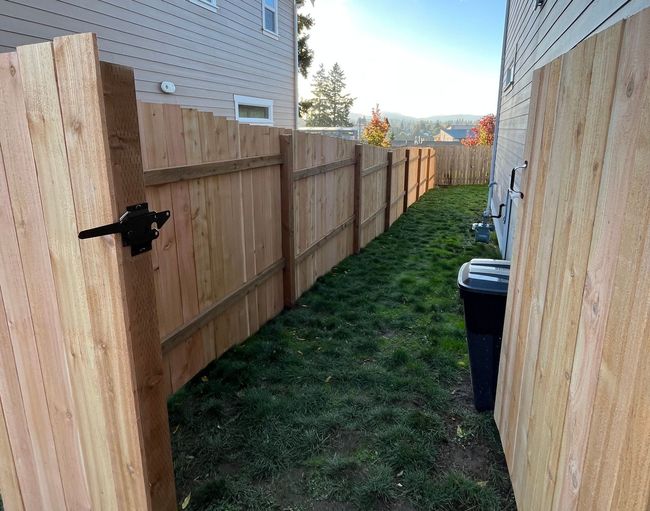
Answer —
458 133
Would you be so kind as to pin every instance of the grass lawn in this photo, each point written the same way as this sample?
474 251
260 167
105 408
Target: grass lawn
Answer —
359 398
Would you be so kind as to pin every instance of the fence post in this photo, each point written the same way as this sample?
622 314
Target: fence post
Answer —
435 166
287 149
389 190
426 185
407 166
417 183
358 167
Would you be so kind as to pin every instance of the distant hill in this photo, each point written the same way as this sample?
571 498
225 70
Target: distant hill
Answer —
395 117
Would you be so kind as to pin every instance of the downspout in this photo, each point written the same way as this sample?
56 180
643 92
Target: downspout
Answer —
493 183
296 69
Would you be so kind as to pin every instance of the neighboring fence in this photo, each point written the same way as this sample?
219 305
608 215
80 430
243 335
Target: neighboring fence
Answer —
461 165
573 406
93 339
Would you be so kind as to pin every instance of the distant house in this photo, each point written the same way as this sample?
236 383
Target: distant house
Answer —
236 58
454 133
536 32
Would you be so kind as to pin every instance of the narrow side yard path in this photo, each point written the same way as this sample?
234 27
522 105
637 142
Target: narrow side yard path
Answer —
359 398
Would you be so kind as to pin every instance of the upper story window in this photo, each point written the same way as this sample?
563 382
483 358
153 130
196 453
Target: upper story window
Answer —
208 4
254 110
270 16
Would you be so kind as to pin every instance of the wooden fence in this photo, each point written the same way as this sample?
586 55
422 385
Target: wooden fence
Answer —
461 165
573 406
93 339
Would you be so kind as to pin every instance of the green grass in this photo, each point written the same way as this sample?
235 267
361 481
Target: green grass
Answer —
358 398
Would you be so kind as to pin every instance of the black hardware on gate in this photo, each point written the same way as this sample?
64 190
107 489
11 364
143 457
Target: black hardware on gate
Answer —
135 226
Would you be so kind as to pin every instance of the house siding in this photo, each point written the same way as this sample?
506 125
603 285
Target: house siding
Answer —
534 37
210 56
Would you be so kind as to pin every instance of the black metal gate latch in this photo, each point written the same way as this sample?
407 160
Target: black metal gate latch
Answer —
135 226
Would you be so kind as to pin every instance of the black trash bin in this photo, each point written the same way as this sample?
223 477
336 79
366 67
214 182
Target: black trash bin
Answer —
483 285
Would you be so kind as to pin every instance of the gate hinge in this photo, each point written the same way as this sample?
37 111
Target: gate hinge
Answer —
135 226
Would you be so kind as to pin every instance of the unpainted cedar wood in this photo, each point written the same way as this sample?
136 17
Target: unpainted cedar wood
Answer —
89 162
605 243
9 484
509 378
536 271
26 339
250 231
288 199
166 274
20 450
578 147
200 233
43 113
609 461
143 341
189 358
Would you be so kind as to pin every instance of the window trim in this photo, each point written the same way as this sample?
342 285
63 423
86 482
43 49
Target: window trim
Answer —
210 5
509 76
251 101
266 31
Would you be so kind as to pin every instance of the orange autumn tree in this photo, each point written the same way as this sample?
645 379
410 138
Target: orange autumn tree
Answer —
482 133
377 130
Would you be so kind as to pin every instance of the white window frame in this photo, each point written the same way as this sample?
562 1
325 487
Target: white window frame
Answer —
210 5
266 31
250 101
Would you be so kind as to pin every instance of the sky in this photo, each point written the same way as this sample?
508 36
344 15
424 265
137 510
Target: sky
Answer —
415 57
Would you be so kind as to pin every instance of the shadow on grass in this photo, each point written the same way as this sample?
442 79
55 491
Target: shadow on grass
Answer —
359 397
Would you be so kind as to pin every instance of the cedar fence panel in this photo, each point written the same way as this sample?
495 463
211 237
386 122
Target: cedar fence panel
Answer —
461 165
217 268
397 159
323 202
84 413
573 407
374 173
412 176
425 166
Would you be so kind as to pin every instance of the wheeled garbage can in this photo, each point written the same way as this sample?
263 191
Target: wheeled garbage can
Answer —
483 286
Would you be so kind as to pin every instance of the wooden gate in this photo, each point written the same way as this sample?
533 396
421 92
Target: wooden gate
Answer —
83 422
573 406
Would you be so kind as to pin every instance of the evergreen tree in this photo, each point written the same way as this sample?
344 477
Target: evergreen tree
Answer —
305 53
330 105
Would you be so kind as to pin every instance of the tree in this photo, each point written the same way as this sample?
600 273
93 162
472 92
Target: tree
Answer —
330 105
482 133
376 131
305 53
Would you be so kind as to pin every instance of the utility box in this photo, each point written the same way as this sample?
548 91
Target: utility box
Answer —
483 286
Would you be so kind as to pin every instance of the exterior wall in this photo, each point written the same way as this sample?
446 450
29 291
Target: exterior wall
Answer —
210 56
534 37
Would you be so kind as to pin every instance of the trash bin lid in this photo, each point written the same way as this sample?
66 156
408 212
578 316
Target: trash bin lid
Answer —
485 276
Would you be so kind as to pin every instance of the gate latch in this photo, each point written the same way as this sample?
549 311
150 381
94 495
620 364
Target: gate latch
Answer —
135 226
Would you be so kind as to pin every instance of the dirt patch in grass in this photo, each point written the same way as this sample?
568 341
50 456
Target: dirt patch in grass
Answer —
359 398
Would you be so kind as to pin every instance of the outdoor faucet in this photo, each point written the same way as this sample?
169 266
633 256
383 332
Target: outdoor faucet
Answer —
512 190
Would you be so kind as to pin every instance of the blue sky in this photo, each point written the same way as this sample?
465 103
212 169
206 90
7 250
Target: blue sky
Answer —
416 57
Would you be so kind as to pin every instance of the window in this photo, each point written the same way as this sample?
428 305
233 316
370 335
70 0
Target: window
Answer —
254 110
509 76
208 4
270 16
